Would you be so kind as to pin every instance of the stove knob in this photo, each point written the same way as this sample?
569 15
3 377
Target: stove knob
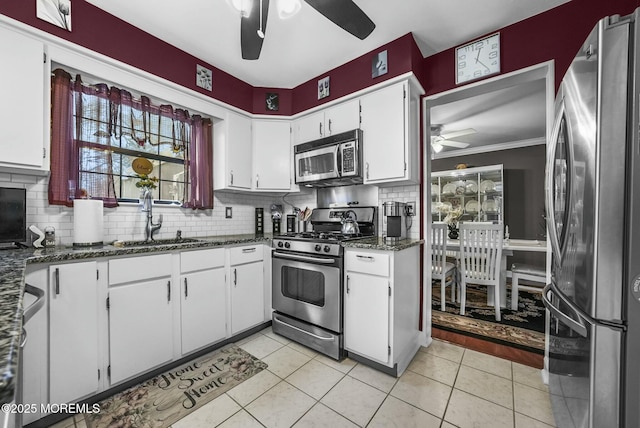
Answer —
287 245
318 247
327 248
280 244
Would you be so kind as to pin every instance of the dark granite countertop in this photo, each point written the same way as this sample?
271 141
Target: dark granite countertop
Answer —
379 243
12 269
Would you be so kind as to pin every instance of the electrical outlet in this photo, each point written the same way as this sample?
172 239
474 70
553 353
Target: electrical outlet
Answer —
228 212
410 209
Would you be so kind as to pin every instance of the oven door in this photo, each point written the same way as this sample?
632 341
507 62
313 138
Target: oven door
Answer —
317 164
309 288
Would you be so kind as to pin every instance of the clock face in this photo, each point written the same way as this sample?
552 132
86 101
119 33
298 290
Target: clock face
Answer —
478 59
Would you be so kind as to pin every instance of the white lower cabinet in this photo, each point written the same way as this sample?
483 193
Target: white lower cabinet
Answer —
382 306
203 313
73 327
247 287
140 315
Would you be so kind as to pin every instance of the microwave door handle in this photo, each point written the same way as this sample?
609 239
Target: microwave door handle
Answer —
339 159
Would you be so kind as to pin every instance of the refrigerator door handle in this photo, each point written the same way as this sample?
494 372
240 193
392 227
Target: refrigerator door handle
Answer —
550 169
579 326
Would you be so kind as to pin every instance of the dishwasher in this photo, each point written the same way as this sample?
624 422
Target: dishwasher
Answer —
28 313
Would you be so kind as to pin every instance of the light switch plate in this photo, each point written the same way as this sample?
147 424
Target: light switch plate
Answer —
228 212
410 209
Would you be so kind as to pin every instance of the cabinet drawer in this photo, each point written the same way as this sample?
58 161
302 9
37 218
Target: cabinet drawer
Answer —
371 263
246 254
202 259
139 268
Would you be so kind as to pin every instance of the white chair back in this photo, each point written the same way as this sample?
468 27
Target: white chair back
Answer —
438 246
480 259
481 252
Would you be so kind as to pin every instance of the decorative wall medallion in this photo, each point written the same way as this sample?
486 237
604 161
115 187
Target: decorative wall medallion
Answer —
323 88
57 12
272 103
379 64
204 77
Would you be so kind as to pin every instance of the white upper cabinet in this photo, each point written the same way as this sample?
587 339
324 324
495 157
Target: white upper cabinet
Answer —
272 155
23 84
390 125
232 143
330 121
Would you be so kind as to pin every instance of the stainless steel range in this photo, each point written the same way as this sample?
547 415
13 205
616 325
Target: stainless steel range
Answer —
308 278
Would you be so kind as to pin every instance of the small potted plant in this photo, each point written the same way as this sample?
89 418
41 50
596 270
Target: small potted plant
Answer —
452 221
146 183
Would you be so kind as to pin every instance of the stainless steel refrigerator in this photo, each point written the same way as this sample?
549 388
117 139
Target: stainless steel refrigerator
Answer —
593 215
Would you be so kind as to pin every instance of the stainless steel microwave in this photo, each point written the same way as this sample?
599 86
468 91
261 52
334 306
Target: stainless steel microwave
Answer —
330 161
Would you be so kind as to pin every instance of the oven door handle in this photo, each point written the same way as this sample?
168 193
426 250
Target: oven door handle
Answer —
301 330
304 258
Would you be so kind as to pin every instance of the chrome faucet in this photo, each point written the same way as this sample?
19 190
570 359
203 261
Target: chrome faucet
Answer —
147 205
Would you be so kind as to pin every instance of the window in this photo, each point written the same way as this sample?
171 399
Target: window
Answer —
98 132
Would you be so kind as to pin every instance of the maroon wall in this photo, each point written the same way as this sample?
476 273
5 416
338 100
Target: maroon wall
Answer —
101 32
553 35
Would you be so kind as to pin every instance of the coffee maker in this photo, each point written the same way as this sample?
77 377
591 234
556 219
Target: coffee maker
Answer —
394 225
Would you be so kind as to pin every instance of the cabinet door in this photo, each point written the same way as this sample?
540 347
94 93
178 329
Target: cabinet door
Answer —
366 316
309 127
239 151
140 327
247 296
342 117
384 134
73 331
272 155
22 110
202 309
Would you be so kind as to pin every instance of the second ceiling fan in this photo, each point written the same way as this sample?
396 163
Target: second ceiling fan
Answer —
253 24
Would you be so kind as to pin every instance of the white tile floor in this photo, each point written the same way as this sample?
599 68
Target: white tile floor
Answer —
445 386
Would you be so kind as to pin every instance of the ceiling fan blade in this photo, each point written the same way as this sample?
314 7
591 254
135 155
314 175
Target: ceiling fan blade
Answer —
250 41
346 15
452 143
456 134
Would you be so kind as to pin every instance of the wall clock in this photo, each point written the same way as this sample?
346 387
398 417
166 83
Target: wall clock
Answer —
478 59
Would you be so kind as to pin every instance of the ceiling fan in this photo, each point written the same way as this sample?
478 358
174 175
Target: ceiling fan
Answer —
253 22
439 139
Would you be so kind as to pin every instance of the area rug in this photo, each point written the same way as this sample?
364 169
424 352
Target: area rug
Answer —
523 328
168 397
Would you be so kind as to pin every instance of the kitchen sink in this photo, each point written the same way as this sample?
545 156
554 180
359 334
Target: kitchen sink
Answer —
169 241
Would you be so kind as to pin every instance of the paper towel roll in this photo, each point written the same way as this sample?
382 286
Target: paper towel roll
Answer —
87 222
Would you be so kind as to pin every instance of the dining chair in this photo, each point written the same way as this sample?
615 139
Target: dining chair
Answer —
520 271
441 269
480 258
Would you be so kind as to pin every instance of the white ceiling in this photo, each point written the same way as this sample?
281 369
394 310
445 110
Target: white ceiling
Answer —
303 47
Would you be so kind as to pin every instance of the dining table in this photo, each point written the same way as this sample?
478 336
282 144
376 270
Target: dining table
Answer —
509 246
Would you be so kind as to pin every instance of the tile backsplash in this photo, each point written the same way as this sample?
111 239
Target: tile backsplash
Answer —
127 222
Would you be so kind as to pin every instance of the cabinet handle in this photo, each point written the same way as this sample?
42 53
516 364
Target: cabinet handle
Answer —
231 178
367 258
347 284
329 126
235 277
168 291
367 167
57 281
186 292
249 250
321 129
257 180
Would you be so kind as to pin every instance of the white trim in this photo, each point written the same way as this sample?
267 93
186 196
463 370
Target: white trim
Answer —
490 148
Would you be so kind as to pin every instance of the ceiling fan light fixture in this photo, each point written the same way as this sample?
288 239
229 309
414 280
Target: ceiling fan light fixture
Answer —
288 8
241 6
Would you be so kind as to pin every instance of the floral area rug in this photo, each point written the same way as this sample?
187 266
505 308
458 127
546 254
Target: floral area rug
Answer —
523 328
168 397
